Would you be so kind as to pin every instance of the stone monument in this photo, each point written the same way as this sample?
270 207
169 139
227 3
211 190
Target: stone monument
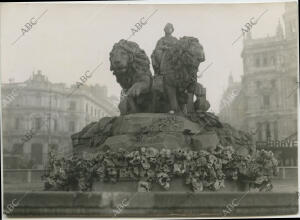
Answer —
158 112
163 103
162 140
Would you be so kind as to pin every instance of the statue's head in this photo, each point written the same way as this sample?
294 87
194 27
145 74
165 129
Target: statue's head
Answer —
169 29
127 55
120 57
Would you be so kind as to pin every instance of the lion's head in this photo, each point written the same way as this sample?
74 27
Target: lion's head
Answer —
187 53
128 56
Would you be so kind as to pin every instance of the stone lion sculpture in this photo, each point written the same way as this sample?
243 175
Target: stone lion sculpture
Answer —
179 75
131 66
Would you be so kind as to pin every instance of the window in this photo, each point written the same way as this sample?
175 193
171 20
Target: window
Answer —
38 99
17 149
258 83
292 26
268 132
55 104
72 106
266 101
53 148
246 103
87 108
257 62
265 61
92 110
273 60
17 123
295 100
72 126
258 128
38 123
275 125
273 83
37 153
54 124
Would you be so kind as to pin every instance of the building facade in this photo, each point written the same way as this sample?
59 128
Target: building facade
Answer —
266 104
231 106
38 115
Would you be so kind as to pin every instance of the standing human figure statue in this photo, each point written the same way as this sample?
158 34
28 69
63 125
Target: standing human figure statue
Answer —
159 53
161 67
175 63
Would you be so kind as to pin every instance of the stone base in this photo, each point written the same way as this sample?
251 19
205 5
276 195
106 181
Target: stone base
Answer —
176 185
159 130
158 204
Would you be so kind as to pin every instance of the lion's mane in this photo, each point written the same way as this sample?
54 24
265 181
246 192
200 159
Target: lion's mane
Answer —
184 59
139 63
186 52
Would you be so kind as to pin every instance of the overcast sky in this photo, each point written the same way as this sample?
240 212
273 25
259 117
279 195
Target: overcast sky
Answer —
70 39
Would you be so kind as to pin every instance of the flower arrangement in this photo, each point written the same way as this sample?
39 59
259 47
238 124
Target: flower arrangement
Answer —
202 170
257 169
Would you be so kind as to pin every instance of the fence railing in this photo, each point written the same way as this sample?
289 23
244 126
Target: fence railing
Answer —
288 173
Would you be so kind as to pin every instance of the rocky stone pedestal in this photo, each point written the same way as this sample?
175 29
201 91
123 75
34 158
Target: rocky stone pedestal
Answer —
159 131
156 131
